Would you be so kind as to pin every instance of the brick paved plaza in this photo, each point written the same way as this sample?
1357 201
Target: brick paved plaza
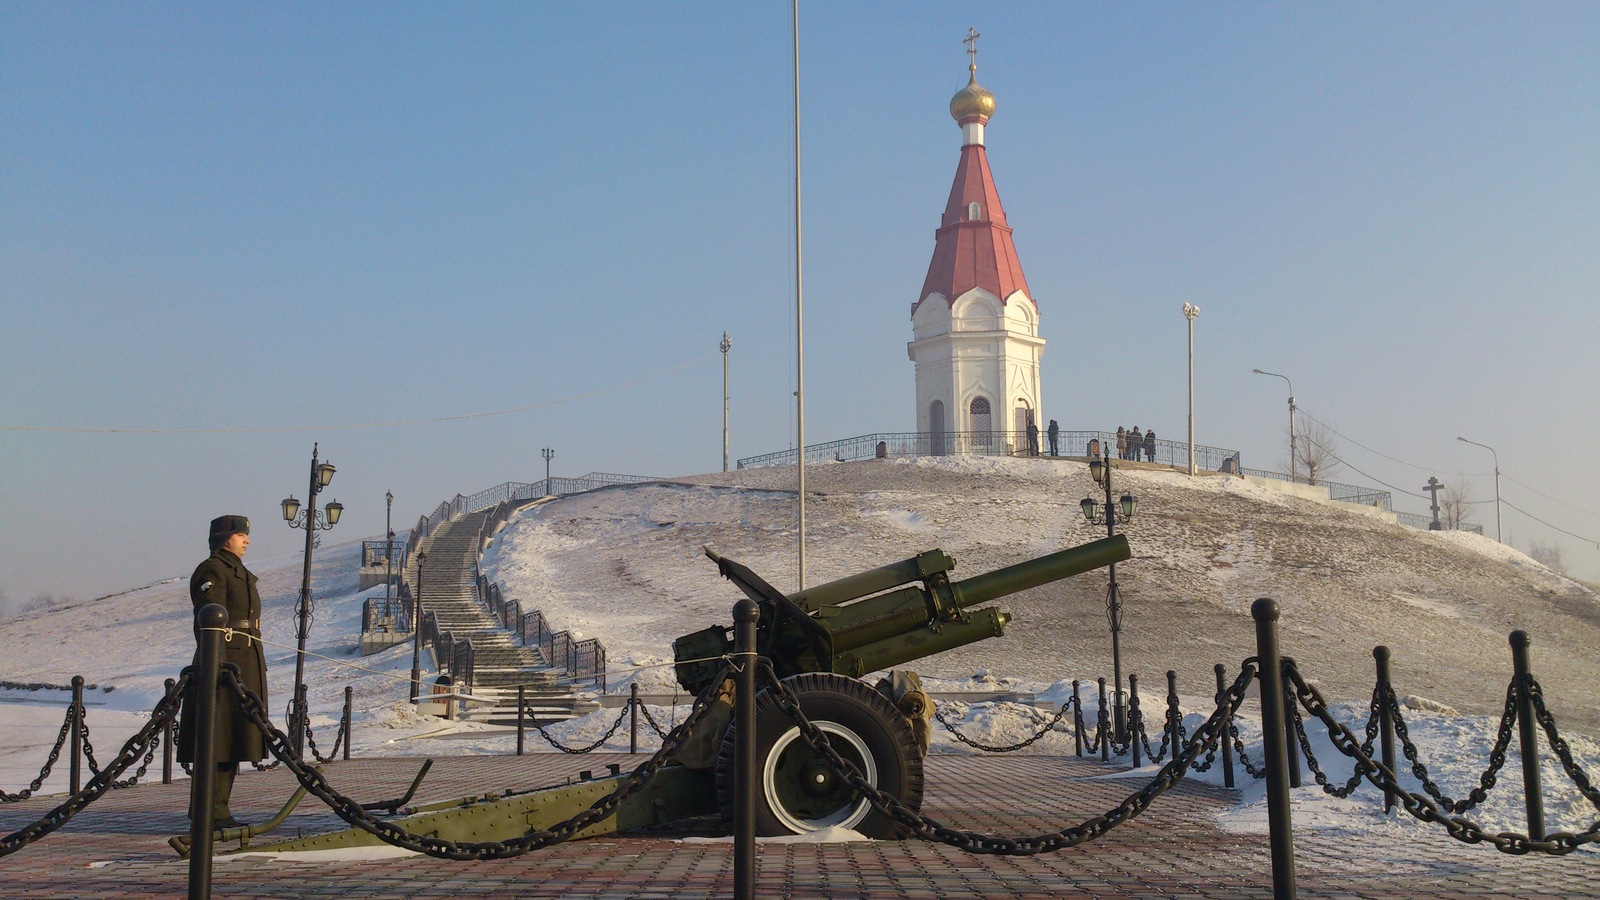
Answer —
117 848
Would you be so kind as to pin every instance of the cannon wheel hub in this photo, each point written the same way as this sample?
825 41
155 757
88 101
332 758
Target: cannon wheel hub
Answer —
798 791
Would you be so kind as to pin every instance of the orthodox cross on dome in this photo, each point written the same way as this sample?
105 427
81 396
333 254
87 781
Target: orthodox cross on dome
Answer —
971 40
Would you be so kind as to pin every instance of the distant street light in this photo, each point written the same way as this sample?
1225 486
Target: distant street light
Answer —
388 550
1190 313
1496 485
726 345
548 454
1100 469
312 520
1293 456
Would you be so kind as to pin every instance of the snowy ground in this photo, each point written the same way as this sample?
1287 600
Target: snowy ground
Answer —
625 565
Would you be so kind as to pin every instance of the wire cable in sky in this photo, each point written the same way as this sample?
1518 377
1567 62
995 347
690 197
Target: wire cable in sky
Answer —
1550 498
1586 540
1346 437
354 426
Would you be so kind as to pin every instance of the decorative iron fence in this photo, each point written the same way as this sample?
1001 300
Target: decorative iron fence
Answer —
993 443
1425 523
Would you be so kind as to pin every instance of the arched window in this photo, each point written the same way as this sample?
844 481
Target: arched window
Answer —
980 422
974 211
936 443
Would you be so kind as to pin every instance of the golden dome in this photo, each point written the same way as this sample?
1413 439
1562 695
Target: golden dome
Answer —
972 100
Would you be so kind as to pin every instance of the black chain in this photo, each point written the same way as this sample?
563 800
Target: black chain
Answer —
550 739
1048 728
1349 787
166 711
1092 745
1559 745
1486 781
1422 807
974 842
1144 738
351 812
1244 758
311 743
651 721
55 754
94 766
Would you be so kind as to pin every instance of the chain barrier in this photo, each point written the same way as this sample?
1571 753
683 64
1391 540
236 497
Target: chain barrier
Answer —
929 830
1090 745
651 721
1374 722
1251 769
1559 745
94 765
1419 805
1144 738
1048 728
165 713
550 739
1486 781
50 763
311 744
351 812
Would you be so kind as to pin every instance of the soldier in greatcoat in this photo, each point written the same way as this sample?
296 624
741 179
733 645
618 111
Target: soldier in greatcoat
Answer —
223 579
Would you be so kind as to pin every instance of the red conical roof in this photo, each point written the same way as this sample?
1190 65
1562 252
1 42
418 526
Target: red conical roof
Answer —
969 252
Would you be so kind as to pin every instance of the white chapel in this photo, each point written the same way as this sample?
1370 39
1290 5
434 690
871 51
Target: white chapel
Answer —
975 327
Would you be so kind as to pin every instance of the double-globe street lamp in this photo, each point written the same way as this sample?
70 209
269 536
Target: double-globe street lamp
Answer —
1100 469
1191 312
312 520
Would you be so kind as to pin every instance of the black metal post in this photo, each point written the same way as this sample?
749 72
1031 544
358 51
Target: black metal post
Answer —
302 716
203 786
1135 722
345 726
1227 726
416 634
1077 720
302 615
166 742
633 717
1385 689
1532 795
1265 612
522 705
1101 723
75 713
1174 717
745 614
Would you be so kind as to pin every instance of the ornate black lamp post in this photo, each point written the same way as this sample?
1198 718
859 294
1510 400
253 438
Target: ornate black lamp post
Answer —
1100 469
548 455
312 520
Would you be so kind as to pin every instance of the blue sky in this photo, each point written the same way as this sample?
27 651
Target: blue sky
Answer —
268 222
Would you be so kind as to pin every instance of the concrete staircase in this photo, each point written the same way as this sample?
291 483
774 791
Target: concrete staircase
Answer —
501 665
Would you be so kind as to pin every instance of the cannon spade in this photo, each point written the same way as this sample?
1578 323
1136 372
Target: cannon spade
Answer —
821 641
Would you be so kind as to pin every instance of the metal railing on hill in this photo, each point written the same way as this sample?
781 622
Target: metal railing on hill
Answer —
514 490
1344 493
1423 523
992 443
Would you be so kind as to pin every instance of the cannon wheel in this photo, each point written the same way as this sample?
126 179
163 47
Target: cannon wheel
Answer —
796 791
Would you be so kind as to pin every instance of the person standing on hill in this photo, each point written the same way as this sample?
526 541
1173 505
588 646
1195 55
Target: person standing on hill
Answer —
1033 437
222 579
1122 443
1135 441
1150 445
1054 431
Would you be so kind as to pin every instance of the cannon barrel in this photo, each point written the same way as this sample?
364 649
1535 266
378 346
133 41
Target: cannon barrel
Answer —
1034 572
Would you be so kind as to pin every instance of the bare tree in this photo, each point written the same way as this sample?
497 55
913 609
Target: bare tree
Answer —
1314 451
1549 556
1456 504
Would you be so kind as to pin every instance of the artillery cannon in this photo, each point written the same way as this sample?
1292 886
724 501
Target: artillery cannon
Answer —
820 641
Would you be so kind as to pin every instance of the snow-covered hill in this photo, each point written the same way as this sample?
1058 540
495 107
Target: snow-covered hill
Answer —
625 565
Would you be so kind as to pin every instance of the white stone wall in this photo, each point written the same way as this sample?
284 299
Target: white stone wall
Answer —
976 347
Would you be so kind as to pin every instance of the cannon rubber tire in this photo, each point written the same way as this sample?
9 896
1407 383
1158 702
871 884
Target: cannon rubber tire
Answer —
862 725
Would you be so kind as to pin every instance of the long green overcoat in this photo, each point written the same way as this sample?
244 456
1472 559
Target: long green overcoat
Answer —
223 579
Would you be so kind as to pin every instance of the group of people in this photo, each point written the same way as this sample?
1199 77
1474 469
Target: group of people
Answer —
1053 432
1132 444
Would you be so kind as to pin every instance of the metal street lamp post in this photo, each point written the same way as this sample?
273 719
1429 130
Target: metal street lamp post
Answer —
1293 456
388 551
548 454
1100 469
416 633
1496 485
1190 313
312 520
726 345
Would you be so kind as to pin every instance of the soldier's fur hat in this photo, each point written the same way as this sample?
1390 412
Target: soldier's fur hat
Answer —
222 527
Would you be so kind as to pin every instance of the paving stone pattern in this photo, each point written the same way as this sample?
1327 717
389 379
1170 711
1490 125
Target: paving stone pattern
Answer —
117 847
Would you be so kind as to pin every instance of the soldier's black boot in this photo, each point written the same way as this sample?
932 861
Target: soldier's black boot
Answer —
219 806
